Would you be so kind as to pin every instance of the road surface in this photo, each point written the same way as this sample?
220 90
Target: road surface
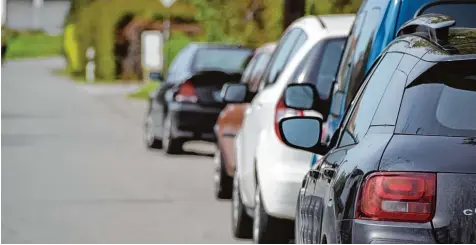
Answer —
74 169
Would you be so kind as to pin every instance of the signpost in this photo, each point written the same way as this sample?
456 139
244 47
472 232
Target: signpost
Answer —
152 54
167 3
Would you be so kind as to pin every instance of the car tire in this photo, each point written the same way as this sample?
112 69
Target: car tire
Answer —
149 137
268 229
223 182
242 224
170 145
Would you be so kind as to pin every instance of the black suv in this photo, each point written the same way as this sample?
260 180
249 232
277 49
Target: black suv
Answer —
401 168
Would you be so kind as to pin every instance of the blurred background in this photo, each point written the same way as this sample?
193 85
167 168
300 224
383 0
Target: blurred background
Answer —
112 28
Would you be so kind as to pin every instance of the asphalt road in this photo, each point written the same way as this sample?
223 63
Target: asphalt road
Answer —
75 170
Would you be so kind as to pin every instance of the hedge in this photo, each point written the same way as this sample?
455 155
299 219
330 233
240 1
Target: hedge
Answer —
96 22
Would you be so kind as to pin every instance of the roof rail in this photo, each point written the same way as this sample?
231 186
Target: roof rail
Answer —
433 26
321 21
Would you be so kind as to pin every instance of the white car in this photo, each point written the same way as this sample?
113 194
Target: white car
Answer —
268 173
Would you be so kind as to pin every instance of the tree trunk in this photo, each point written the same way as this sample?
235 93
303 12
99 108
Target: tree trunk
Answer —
293 10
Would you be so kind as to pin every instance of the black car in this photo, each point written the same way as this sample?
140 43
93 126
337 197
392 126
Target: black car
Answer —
401 167
187 104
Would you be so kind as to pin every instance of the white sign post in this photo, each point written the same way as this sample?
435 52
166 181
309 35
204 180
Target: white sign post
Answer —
152 53
167 3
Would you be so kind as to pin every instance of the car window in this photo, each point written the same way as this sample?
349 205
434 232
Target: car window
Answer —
247 73
349 50
387 111
328 65
258 71
361 53
440 102
180 61
224 59
462 13
363 111
281 55
297 45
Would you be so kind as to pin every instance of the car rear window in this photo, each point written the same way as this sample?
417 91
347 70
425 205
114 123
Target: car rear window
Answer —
223 59
462 13
441 102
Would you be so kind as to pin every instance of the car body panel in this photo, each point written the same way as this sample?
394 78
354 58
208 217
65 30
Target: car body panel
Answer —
231 117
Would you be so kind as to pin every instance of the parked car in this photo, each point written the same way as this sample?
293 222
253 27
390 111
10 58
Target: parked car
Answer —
229 122
187 104
400 168
268 173
376 25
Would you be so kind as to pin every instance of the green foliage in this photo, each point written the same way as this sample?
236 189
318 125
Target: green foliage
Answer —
176 43
95 25
71 49
29 44
144 91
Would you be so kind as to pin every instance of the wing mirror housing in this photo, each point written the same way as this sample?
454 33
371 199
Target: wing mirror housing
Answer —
303 133
300 96
156 76
234 93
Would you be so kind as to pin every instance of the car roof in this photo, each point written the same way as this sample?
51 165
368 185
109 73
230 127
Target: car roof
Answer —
217 45
461 46
266 48
337 24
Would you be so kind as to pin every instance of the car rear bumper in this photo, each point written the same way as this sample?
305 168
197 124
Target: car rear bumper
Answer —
193 122
368 231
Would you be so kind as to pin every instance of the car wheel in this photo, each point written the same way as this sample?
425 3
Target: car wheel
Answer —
242 224
149 137
268 229
170 145
223 182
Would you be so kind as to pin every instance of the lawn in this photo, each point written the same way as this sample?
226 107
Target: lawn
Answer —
143 92
34 45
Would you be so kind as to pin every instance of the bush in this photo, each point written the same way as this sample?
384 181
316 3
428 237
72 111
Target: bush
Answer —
95 25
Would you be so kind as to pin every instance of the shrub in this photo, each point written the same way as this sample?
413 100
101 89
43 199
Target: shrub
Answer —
96 28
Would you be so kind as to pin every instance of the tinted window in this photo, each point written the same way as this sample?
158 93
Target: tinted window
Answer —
366 105
361 53
221 59
281 55
258 71
463 13
345 64
441 102
328 66
182 60
387 111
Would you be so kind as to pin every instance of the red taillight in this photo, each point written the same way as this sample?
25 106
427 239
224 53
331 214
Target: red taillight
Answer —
186 93
397 196
281 112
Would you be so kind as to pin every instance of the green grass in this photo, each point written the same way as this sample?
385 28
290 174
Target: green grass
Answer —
144 91
34 45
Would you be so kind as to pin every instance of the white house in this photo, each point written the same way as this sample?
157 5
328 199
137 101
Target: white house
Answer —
35 14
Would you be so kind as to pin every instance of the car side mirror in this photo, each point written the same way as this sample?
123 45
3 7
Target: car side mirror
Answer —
304 133
234 93
156 76
300 96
